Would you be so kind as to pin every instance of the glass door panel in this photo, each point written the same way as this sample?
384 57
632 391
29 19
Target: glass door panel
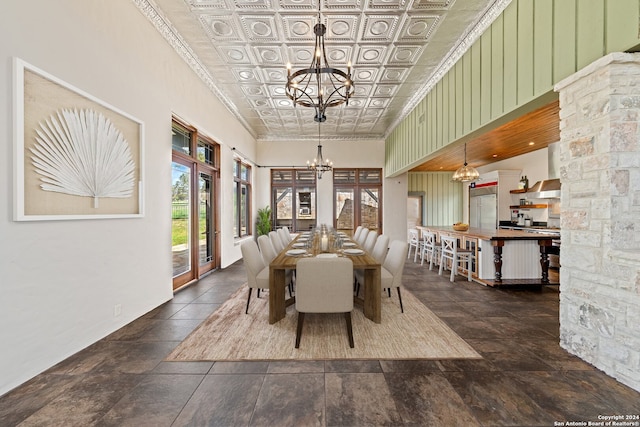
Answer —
306 205
369 209
181 222
283 201
206 222
344 210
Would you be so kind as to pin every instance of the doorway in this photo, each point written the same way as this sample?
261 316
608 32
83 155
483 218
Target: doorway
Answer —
414 209
194 202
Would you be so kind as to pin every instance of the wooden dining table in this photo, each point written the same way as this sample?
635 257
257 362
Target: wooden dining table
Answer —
278 303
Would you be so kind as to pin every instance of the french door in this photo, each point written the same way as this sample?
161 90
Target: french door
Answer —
357 199
293 198
194 216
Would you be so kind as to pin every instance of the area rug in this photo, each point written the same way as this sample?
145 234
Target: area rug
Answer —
231 335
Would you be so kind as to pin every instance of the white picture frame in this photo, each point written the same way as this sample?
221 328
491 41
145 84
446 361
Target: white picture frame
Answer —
75 156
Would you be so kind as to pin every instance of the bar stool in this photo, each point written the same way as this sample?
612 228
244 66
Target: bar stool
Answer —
450 251
414 242
429 248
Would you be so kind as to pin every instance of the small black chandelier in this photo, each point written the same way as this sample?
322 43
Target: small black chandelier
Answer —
319 165
320 86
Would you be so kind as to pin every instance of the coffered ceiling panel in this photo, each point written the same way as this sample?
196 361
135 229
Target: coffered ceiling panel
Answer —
396 47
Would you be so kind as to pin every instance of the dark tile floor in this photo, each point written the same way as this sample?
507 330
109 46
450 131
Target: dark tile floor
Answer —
524 378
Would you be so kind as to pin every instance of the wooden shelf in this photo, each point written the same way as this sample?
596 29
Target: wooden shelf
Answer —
538 206
518 191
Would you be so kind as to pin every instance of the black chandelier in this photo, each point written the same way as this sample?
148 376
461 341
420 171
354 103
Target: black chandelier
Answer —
320 86
319 165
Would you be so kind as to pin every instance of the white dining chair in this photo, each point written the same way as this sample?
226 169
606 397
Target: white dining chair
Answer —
283 237
370 241
378 253
268 254
391 271
362 237
266 249
451 253
356 234
276 241
287 233
257 271
324 285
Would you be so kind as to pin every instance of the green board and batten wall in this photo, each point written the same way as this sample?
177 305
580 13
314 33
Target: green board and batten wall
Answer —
509 71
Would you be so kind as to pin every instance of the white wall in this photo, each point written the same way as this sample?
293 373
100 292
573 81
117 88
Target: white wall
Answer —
60 280
534 165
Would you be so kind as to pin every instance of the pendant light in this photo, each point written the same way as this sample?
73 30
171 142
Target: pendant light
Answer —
319 165
465 173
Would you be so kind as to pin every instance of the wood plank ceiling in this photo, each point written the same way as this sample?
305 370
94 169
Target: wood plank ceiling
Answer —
530 132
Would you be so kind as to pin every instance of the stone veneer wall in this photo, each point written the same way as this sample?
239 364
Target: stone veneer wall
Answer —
600 219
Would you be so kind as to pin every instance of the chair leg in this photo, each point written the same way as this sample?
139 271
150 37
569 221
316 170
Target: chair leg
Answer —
258 292
347 317
454 269
400 298
299 328
389 292
248 299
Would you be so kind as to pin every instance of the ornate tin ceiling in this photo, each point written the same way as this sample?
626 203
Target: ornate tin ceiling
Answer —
399 49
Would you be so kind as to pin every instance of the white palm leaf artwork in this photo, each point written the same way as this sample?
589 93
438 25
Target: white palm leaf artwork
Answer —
81 152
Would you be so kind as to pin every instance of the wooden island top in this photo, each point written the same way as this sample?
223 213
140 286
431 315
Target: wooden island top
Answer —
487 234
497 239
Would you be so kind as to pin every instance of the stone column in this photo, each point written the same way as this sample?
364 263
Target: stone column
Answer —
600 215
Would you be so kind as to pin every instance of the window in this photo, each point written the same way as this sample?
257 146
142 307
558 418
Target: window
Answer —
357 199
241 198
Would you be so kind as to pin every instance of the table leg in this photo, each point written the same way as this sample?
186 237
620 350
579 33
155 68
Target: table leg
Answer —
497 258
544 259
277 309
372 295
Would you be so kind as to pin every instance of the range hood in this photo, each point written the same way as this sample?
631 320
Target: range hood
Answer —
547 189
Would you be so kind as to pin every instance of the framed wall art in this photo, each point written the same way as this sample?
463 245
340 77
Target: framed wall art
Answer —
75 156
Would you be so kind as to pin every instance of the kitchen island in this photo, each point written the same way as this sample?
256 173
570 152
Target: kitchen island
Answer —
505 257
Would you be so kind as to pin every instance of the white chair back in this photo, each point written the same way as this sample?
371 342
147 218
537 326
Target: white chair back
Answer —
414 242
370 242
363 236
253 262
266 249
283 237
287 233
429 249
276 241
324 285
449 251
356 234
449 247
394 262
379 252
